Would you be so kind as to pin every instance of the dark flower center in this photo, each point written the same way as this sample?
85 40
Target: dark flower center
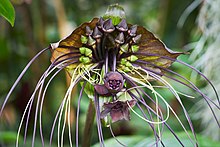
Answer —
114 84
114 81
108 41
119 106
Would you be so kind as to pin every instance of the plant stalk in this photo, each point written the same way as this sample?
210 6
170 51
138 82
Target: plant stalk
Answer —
87 134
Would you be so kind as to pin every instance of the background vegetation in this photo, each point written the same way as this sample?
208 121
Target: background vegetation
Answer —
40 22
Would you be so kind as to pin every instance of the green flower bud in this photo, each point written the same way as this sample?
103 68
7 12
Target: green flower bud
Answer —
128 64
124 48
82 50
123 61
126 69
88 52
84 39
91 41
132 58
134 48
85 51
84 59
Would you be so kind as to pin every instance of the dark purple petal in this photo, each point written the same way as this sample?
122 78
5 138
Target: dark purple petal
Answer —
132 103
110 105
102 90
119 110
126 114
116 115
105 112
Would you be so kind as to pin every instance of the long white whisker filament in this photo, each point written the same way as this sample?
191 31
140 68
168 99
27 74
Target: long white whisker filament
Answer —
31 100
178 98
147 86
72 84
157 105
20 76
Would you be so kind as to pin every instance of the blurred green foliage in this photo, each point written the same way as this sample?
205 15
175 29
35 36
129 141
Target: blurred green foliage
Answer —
168 140
41 22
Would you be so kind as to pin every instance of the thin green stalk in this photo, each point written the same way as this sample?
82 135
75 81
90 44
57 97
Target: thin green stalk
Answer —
87 134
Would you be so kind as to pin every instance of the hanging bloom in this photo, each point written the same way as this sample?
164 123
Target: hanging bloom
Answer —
116 64
118 110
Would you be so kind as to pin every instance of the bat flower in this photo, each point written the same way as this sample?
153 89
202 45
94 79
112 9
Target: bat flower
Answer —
118 110
113 83
121 67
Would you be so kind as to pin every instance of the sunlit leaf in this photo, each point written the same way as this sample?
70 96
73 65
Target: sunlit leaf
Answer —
7 11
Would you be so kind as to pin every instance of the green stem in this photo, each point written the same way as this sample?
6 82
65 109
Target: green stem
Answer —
87 134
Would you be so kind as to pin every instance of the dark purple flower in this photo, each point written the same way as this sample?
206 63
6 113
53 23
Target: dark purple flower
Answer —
113 83
118 110
110 56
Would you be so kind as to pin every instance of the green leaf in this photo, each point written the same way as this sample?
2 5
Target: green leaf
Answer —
89 90
127 140
7 11
168 140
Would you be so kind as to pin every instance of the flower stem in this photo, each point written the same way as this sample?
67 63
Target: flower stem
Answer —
114 62
87 134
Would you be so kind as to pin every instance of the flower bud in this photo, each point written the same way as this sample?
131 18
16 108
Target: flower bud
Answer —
108 26
132 31
128 64
88 31
122 26
120 38
116 13
91 41
134 48
124 48
137 38
123 61
132 58
96 33
85 51
84 59
84 39
100 23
